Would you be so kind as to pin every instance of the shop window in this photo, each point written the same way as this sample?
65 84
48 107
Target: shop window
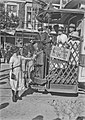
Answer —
29 15
31 21
12 9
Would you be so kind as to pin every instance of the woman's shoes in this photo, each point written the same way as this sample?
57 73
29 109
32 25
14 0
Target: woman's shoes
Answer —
14 99
17 96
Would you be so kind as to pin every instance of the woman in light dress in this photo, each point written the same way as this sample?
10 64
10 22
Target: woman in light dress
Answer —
17 84
30 67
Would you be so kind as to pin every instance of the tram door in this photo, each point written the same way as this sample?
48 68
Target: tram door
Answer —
81 77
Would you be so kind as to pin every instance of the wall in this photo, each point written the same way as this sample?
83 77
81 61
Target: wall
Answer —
21 14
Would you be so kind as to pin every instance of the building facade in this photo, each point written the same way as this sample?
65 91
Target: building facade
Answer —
26 10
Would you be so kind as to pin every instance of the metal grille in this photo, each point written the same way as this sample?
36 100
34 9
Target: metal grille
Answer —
62 72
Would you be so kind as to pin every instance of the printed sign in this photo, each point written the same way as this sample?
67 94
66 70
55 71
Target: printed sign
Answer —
60 53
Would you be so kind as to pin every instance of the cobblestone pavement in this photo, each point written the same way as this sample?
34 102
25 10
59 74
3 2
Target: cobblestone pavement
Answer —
38 105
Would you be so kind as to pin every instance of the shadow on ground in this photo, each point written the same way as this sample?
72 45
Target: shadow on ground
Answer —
39 117
28 92
31 91
4 105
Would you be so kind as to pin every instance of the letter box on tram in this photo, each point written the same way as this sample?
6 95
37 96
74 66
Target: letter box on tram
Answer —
81 77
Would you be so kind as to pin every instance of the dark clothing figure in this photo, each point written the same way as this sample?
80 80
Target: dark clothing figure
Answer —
56 27
0 54
0 57
47 49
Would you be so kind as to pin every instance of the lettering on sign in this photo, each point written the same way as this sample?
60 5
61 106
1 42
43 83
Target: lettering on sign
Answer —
60 53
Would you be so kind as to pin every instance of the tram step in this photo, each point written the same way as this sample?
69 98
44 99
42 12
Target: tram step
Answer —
63 88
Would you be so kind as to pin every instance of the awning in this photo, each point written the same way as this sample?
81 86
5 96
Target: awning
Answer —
45 16
62 17
65 17
9 32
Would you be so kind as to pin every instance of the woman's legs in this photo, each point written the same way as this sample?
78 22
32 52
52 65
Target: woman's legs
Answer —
14 99
17 96
28 76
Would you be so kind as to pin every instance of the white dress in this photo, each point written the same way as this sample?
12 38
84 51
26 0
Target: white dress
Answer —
17 84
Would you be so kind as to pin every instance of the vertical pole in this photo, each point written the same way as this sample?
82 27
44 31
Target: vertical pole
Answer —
22 41
15 37
4 40
61 2
0 37
83 43
25 25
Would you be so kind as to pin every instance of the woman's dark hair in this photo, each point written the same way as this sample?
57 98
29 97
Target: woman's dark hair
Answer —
56 27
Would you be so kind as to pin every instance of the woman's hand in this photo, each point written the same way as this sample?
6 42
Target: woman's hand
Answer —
34 56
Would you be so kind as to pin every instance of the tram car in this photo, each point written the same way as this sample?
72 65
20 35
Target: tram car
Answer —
67 63
63 68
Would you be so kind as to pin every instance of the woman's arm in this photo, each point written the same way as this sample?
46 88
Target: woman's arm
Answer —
11 63
26 58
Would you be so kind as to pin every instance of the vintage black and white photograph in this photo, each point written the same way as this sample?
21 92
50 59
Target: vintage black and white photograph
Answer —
42 59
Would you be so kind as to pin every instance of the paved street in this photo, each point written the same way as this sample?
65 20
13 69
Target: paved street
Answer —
34 105
26 109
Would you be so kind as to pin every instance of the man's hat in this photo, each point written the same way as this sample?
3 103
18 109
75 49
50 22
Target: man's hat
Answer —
72 26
